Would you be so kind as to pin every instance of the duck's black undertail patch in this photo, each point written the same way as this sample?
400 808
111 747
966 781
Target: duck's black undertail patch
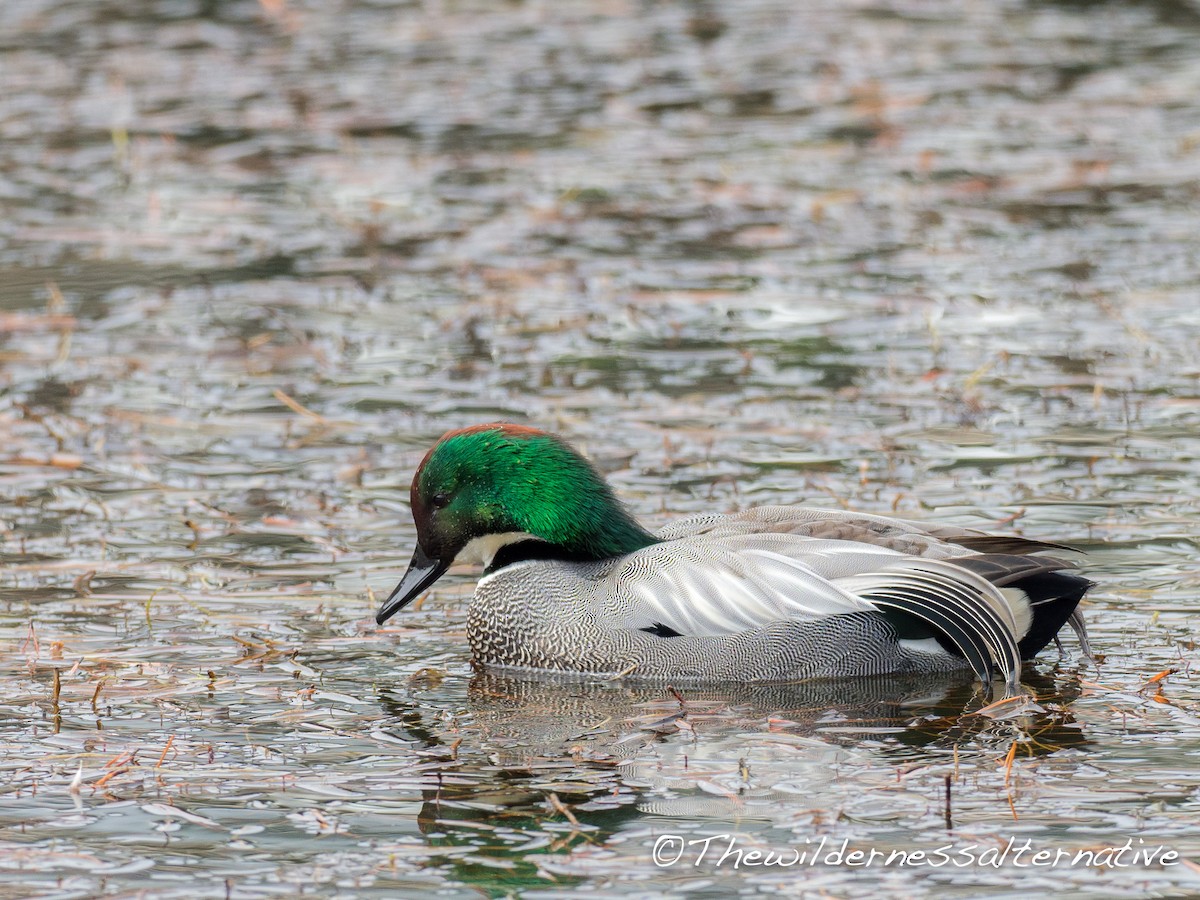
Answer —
1053 596
658 629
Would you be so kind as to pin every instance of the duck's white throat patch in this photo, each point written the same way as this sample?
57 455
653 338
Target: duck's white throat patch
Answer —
483 550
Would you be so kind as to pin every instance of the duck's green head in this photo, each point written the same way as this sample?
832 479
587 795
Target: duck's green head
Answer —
484 488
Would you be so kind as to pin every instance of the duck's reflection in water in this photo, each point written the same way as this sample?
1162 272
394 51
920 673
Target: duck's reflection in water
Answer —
534 762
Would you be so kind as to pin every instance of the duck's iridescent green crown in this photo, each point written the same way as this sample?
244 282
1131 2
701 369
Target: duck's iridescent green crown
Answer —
500 478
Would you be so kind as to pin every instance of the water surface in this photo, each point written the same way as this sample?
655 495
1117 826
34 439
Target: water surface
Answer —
912 257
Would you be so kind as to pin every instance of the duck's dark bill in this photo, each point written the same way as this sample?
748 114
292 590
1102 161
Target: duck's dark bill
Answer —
422 572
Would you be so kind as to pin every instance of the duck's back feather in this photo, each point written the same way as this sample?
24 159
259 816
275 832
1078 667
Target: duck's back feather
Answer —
902 535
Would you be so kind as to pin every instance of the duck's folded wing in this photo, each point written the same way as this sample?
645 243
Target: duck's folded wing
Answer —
719 584
716 586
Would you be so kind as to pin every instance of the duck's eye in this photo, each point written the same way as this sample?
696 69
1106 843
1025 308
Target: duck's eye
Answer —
439 501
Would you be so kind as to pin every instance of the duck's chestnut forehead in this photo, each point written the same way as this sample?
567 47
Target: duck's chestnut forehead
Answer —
506 429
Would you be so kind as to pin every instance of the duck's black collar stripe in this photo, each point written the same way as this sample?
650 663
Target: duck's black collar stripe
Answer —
520 551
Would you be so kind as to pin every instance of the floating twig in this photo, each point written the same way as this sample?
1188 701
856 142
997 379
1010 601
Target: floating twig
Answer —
296 406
